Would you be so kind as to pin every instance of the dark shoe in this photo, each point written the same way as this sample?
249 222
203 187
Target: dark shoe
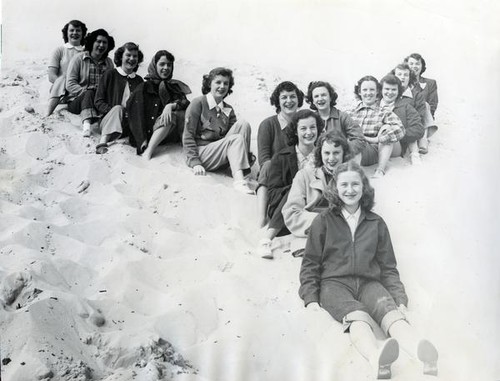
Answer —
101 148
251 159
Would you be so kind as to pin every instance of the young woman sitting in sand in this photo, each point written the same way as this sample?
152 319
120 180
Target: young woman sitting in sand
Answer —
412 123
73 35
156 107
302 133
322 98
84 72
271 138
306 198
428 88
113 92
349 269
382 130
212 135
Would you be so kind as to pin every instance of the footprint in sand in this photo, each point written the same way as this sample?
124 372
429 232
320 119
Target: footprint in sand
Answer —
17 291
37 145
94 315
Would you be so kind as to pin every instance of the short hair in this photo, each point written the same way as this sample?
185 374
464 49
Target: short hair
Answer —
332 195
391 79
315 84
130 46
92 37
208 78
291 129
331 137
76 24
285 86
405 66
163 53
418 57
366 78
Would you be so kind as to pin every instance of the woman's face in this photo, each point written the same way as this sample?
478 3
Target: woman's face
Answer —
164 67
389 92
100 47
74 35
307 131
404 76
219 87
289 102
368 92
129 60
331 155
321 98
415 65
350 189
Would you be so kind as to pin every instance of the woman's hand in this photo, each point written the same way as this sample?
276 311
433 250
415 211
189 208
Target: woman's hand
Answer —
166 115
313 306
199 170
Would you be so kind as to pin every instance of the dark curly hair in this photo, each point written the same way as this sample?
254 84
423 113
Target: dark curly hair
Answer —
208 78
76 24
291 129
366 78
315 84
335 138
418 57
332 195
404 66
92 37
130 46
391 79
285 86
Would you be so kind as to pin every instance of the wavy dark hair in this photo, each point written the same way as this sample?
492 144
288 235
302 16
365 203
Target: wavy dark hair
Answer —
92 37
315 84
291 129
285 86
130 46
391 79
332 195
208 78
417 56
366 78
76 24
335 138
404 66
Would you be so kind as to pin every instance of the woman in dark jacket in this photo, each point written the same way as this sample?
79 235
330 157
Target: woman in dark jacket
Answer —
302 132
156 108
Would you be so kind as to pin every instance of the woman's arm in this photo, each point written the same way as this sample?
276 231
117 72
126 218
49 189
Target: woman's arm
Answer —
297 219
310 271
432 95
73 76
265 141
192 119
392 129
414 126
55 64
353 133
389 275
100 101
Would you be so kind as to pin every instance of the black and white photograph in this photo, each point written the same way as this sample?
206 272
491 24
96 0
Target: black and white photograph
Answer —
249 190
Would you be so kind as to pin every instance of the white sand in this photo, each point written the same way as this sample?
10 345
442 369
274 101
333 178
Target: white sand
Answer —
150 272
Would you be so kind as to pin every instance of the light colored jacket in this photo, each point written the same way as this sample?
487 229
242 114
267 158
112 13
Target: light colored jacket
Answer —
301 207
78 73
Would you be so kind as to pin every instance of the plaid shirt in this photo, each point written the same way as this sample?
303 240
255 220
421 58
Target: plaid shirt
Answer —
96 70
378 121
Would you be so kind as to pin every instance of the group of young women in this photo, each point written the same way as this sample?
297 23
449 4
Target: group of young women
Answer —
310 182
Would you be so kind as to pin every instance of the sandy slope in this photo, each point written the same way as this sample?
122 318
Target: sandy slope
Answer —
149 273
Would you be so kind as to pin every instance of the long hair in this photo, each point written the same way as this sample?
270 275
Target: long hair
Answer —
76 24
208 78
130 46
335 138
285 86
366 78
92 37
391 79
418 57
315 84
404 66
332 195
291 129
